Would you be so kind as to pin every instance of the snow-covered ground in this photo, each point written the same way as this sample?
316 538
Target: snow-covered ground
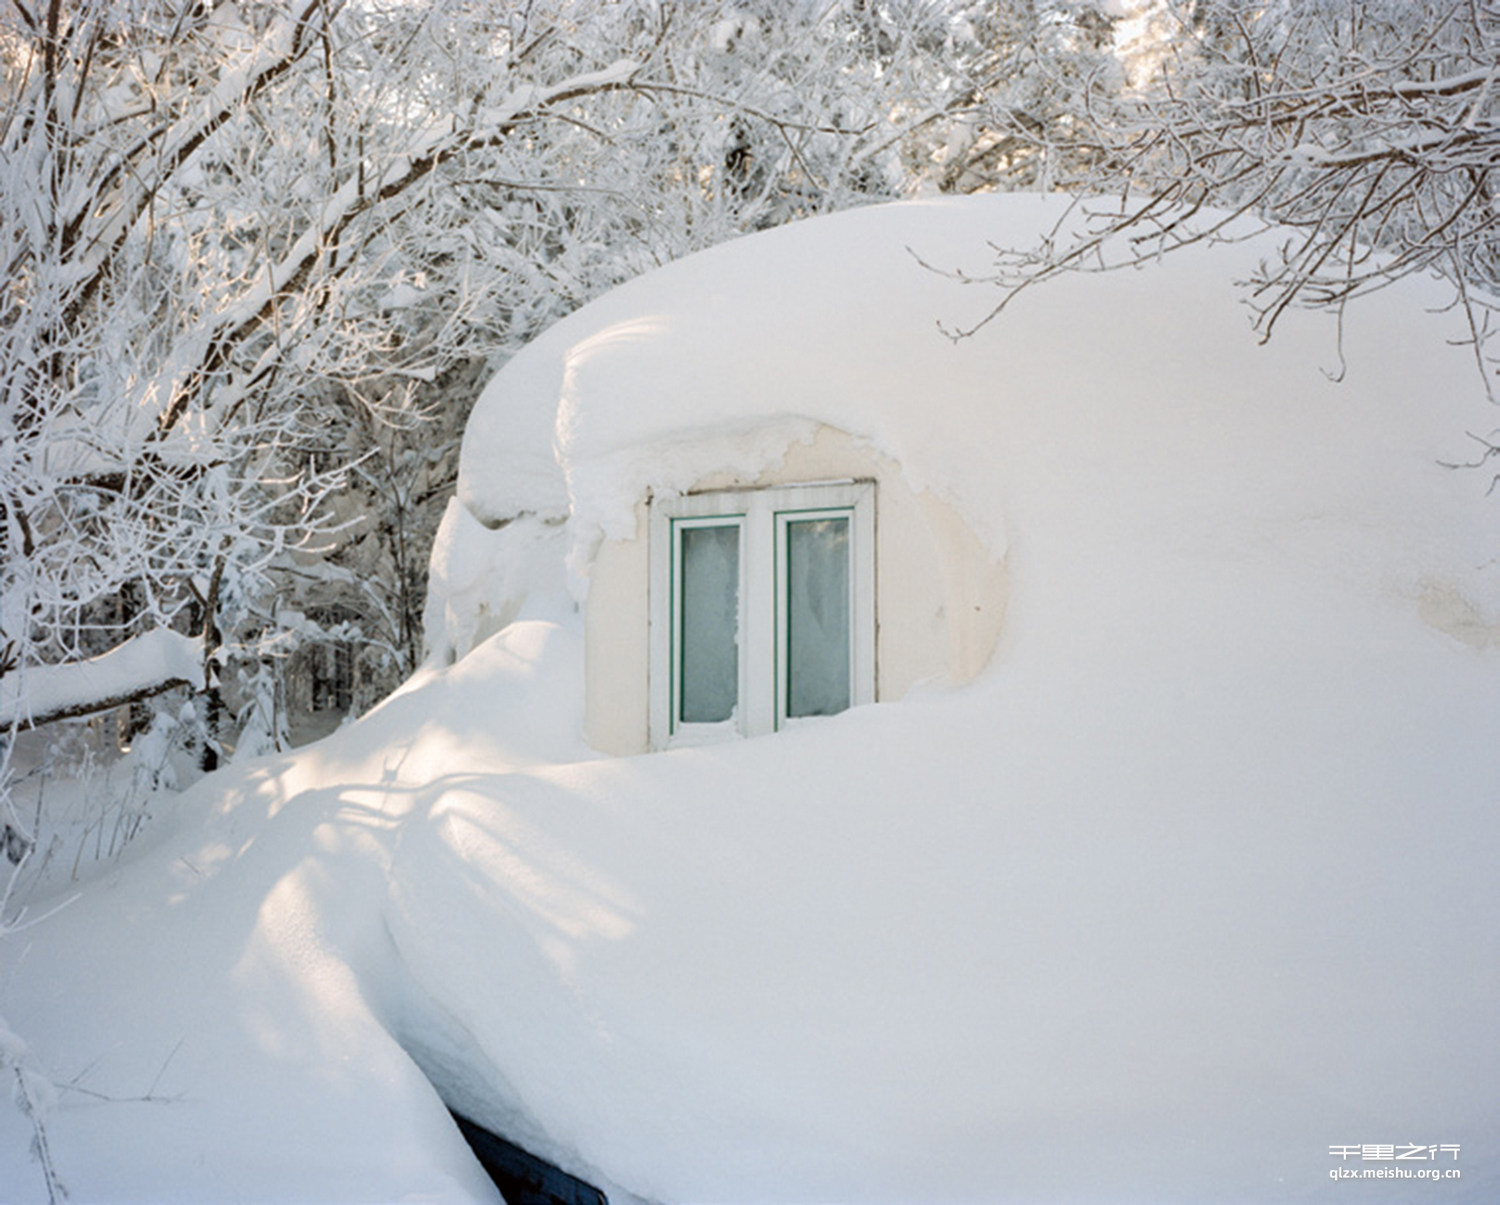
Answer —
1193 885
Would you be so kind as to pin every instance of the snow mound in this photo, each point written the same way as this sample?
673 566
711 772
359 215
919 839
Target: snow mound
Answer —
1193 886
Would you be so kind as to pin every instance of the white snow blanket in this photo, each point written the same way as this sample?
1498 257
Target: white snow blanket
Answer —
1190 897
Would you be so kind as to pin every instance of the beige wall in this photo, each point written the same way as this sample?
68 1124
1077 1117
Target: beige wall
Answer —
939 596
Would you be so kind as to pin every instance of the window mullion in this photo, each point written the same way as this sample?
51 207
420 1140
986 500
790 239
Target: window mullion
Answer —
758 665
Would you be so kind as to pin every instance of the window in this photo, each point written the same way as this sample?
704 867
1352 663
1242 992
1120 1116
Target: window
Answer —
762 608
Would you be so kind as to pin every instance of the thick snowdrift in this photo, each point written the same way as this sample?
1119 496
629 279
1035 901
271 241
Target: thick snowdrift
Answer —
1196 882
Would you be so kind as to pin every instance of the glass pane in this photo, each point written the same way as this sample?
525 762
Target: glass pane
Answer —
817 610
709 632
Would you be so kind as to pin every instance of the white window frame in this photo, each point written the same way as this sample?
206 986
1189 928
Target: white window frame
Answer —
762 516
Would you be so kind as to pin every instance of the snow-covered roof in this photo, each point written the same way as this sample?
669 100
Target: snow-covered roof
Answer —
1114 415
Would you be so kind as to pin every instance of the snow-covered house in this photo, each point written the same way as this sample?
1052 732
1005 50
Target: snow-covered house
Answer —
1159 867
750 554
782 491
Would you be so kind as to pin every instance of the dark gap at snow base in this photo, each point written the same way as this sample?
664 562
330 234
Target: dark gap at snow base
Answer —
521 1177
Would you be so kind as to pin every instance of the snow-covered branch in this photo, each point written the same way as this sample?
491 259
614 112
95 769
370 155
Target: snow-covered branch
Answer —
106 194
373 186
1371 131
142 666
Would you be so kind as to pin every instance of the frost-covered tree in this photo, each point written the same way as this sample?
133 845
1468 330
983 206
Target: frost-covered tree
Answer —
135 459
199 221
1023 82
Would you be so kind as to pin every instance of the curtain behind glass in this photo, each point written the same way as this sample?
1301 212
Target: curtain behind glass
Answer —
710 594
817 610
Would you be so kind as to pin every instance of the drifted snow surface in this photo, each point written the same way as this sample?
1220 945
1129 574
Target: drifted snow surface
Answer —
1196 881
